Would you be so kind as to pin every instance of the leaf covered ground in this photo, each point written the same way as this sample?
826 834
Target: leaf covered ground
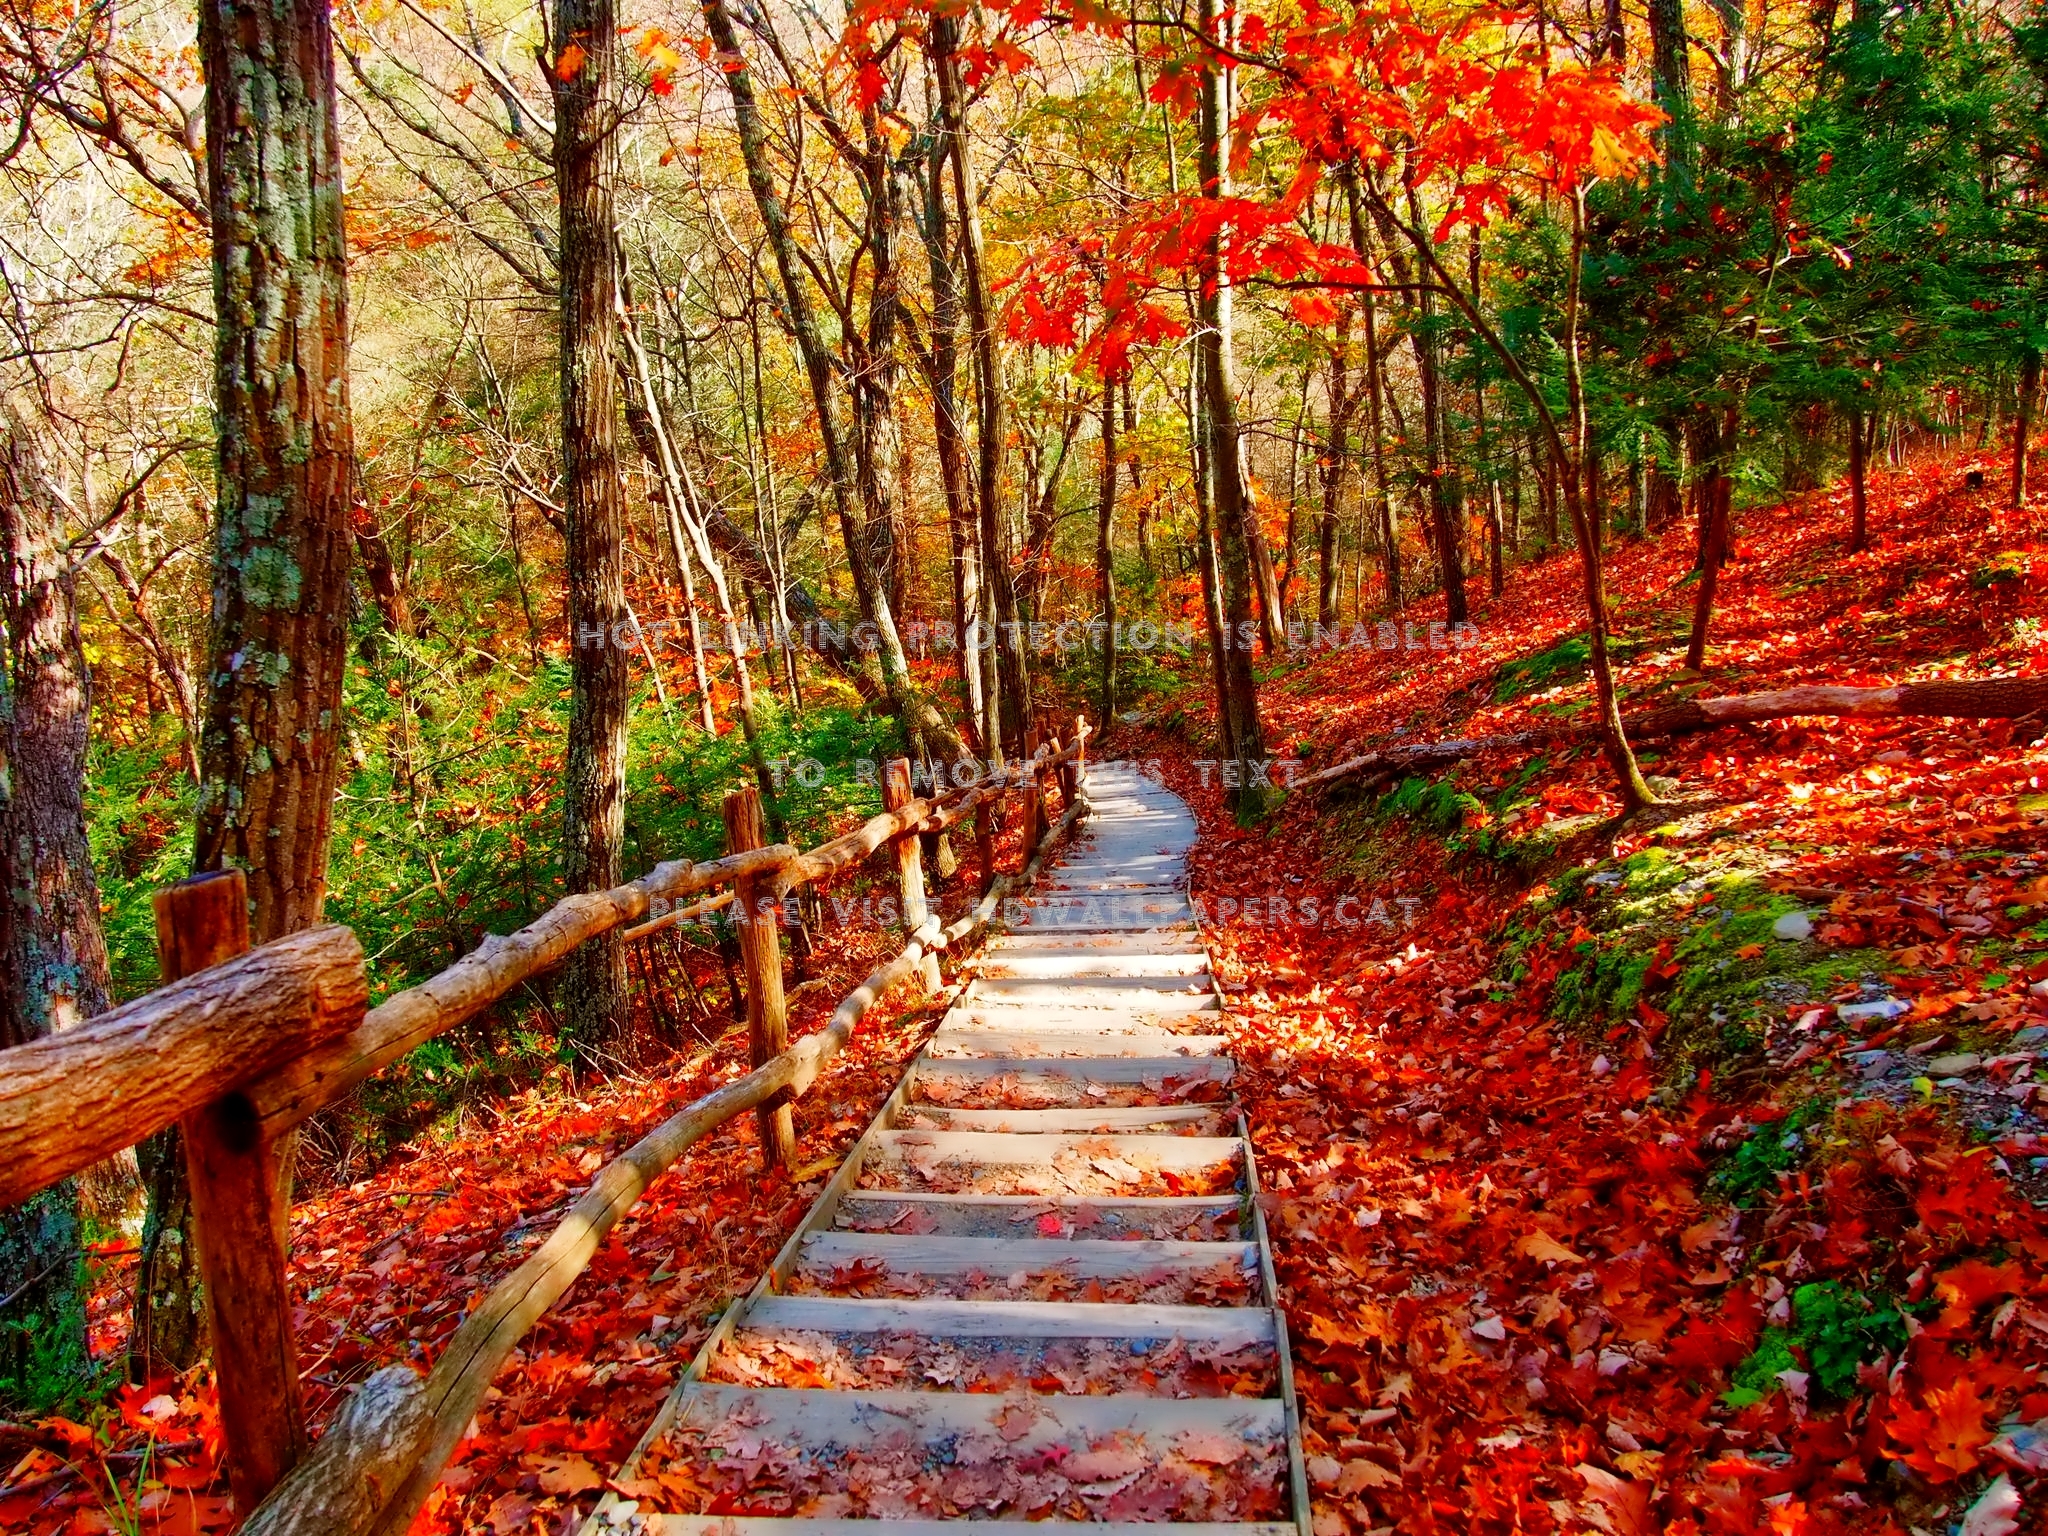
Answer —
1669 1176
1676 1175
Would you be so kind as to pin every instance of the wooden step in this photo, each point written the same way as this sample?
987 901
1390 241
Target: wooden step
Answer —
1038 1082
1152 1119
1228 1327
1109 1041
1171 943
981 1162
1194 1016
1145 994
821 1422
1182 1218
1016 965
953 1258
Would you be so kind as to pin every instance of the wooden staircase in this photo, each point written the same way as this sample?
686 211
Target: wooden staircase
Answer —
1039 1287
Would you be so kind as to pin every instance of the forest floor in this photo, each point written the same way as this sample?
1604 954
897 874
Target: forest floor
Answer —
1679 1174
1671 1175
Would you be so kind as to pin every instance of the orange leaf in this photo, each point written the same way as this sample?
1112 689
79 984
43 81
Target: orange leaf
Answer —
570 64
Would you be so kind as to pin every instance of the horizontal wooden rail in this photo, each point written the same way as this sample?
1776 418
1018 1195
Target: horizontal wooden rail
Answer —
75 1098
680 915
501 962
375 1467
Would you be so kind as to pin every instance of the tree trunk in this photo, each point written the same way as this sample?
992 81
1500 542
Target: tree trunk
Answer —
1013 664
1205 564
1444 512
53 958
1715 510
270 738
1335 462
1234 514
802 319
1859 499
281 552
950 438
2023 423
593 986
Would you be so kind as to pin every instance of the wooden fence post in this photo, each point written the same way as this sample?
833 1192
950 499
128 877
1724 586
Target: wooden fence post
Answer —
909 863
241 1209
756 920
985 841
1034 807
1079 767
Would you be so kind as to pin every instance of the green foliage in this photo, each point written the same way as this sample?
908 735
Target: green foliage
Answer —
1773 1148
1834 1330
43 1361
1567 660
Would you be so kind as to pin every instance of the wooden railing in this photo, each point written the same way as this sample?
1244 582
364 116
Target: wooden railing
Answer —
240 1045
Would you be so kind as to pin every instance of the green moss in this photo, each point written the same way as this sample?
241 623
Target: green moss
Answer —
1834 1330
1532 674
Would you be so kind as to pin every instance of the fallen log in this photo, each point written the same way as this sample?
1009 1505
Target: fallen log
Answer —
1988 698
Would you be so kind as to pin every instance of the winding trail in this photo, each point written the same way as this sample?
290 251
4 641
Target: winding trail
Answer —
1039 1286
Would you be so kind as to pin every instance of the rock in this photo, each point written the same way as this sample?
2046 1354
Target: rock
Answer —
1883 1008
1793 926
1602 1066
2033 1034
1956 1065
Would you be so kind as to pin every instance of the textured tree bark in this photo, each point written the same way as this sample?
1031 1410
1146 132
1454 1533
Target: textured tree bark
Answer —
1234 514
53 958
1336 461
1715 512
949 434
369 1449
1859 484
270 736
282 539
2023 424
582 77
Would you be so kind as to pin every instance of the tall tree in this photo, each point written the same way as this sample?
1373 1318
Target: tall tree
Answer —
270 737
583 79
53 959
1239 705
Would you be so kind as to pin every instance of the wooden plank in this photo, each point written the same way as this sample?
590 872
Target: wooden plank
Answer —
1160 1119
874 1210
1034 1073
1084 1258
1168 942
970 1043
1110 993
996 1147
1232 1327
79 1096
1197 1018
1014 965
817 1421
241 1214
